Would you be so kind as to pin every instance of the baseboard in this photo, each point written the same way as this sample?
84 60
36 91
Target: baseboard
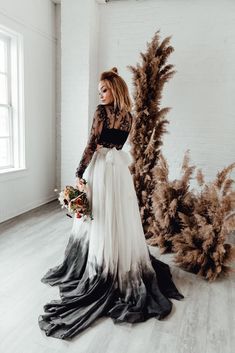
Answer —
26 208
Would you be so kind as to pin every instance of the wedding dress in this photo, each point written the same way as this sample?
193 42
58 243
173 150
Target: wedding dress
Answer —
107 268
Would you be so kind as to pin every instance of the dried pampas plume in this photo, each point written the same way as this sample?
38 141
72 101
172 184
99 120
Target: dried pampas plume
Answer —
194 224
150 123
172 203
201 246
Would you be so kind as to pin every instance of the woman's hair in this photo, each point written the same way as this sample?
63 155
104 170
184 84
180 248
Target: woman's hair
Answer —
118 88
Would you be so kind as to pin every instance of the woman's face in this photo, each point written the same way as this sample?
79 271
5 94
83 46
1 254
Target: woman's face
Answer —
105 93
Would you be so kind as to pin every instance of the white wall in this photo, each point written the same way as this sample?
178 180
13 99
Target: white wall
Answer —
58 95
97 37
23 190
79 37
201 93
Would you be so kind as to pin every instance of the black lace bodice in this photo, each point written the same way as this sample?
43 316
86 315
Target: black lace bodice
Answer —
110 128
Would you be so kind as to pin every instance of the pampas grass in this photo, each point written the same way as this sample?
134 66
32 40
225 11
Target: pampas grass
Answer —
201 245
193 224
150 122
170 200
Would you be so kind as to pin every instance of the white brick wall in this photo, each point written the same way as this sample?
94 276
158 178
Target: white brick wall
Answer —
79 35
97 37
201 93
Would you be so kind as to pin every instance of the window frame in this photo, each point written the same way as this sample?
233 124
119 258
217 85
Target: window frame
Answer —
15 103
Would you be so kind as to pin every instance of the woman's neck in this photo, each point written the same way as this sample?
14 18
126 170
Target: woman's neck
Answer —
110 104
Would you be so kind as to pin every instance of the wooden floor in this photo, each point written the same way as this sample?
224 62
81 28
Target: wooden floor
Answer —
204 322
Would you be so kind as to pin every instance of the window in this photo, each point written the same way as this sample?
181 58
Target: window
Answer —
12 155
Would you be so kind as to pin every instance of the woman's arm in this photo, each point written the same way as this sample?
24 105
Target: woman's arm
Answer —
95 132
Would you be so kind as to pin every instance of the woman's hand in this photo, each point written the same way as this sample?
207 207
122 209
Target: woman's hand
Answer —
79 184
98 147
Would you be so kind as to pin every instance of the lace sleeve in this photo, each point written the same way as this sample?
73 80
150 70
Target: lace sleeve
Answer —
95 132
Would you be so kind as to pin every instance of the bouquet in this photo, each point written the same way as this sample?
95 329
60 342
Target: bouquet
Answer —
75 200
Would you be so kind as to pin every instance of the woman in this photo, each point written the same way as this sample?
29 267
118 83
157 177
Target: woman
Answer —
107 268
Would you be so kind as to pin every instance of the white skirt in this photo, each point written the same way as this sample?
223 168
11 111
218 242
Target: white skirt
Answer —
107 268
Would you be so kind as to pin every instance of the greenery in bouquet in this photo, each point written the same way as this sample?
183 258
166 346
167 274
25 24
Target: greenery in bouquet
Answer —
75 201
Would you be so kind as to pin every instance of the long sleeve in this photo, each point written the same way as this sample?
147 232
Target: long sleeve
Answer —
95 132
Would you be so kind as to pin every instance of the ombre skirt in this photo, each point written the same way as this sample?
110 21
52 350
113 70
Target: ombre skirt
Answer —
107 269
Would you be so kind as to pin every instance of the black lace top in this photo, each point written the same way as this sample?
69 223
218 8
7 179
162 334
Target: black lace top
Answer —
110 128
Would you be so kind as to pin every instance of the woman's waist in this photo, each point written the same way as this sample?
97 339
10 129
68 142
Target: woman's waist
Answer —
117 147
112 154
104 149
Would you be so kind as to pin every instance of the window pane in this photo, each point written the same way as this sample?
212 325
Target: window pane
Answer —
3 63
3 89
4 152
4 122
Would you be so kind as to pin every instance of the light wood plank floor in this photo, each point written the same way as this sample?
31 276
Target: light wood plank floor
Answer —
203 322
